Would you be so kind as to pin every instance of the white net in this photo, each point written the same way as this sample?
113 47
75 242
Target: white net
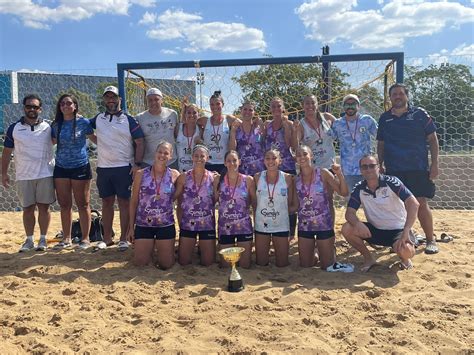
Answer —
444 89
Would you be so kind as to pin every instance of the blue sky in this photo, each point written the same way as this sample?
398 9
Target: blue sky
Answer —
77 35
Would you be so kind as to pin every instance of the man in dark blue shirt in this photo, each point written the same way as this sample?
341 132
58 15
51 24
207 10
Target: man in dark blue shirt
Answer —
403 136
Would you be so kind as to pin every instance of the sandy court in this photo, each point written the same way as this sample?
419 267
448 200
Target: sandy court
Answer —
74 301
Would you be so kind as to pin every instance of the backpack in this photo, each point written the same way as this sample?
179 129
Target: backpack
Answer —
96 233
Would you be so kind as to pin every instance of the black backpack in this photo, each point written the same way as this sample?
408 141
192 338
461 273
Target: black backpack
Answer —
96 233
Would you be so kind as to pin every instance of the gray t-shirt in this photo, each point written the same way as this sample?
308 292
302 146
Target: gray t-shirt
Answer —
157 128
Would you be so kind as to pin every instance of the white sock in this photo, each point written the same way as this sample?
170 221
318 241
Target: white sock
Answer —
29 237
43 237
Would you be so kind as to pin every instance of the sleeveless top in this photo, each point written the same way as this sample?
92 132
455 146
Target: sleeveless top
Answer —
197 204
272 217
216 138
250 149
322 146
184 148
155 200
276 140
314 213
234 215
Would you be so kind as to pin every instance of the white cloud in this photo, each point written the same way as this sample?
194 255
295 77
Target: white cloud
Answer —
168 51
460 54
199 35
37 15
331 21
147 19
464 49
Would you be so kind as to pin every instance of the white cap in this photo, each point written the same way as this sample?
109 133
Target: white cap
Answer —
112 89
154 91
351 96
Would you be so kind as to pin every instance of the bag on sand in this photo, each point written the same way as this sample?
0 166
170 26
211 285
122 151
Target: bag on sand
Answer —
96 233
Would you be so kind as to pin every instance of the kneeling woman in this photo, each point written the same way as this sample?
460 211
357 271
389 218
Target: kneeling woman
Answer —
194 190
151 210
275 191
236 192
313 187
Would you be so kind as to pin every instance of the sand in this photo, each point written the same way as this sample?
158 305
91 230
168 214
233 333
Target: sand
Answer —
74 301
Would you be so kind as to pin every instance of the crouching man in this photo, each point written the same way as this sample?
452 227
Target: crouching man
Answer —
390 209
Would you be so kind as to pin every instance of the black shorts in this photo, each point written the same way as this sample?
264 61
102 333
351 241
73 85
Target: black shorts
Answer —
231 239
114 181
81 173
275 234
385 237
320 235
215 167
156 233
418 182
203 235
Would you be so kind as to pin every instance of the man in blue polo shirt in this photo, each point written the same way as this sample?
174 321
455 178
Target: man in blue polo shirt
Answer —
404 134
120 147
390 210
30 139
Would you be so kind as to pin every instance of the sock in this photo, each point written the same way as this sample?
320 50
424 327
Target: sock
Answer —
43 237
29 237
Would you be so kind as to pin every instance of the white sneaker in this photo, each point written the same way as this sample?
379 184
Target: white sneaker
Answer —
340 267
42 245
28 245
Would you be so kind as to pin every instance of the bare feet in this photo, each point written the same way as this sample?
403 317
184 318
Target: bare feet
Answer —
368 264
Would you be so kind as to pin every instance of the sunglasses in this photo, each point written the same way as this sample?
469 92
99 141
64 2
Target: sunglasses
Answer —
32 107
66 103
368 166
350 105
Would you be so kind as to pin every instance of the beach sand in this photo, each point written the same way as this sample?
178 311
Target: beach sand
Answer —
74 301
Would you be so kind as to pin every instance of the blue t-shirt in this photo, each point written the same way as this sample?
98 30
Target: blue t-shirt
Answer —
404 137
355 141
71 151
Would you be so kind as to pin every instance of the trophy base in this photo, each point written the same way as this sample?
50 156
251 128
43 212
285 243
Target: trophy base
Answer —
235 285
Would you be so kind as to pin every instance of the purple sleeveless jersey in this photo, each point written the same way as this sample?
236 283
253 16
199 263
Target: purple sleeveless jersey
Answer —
155 210
197 204
250 149
234 215
276 140
314 213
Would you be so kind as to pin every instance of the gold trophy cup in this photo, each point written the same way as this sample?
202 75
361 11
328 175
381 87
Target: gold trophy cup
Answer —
232 256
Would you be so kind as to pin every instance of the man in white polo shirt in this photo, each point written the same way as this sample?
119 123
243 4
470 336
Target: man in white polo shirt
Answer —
158 123
390 209
30 139
119 153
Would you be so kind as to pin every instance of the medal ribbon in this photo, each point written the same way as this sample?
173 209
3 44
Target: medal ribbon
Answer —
189 139
158 185
198 188
226 180
317 129
303 185
270 196
353 137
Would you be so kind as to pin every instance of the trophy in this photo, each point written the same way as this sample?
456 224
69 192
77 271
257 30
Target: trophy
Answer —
232 256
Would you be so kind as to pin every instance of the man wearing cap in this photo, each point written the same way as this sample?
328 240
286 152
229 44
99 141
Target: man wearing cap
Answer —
404 135
158 123
119 154
30 139
356 134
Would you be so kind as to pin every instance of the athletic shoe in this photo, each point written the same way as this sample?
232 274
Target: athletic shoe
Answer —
28 245
340 267
42 245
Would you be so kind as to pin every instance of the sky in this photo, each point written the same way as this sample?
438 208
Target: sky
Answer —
81 35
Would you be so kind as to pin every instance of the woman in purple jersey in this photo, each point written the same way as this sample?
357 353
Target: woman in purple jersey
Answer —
194 190
151 210
236 193
247 138
314 188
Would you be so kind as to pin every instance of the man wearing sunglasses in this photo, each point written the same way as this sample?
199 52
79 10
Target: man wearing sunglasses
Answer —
404 135
30 138
390 209
356 134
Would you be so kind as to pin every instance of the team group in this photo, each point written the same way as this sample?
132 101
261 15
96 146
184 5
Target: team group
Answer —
241 165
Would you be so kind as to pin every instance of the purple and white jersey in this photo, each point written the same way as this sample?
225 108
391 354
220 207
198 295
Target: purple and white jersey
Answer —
197 203
314 213
234 216
276 140
250 149
155 200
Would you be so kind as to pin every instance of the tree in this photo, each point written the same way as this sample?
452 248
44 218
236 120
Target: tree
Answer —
291 82
446 92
